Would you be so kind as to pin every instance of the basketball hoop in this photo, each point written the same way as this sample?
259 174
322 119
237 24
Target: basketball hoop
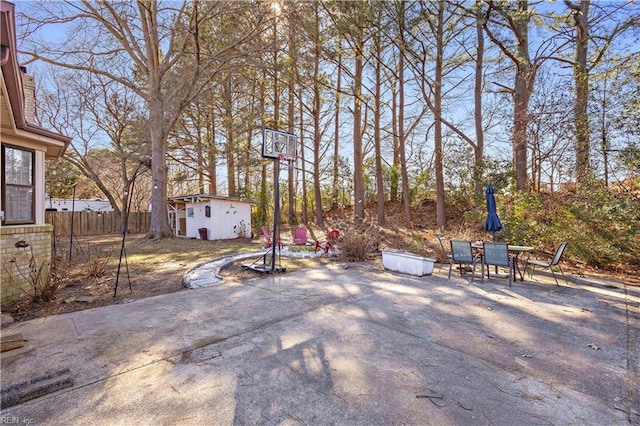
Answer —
276 142
289 159
283 147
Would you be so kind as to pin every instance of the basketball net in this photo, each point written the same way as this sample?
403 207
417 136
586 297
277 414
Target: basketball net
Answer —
288 159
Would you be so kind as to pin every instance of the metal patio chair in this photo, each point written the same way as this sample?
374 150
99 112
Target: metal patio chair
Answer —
553 263
445 253
462 254
497 254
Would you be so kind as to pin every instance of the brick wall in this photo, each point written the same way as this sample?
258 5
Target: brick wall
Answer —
39 239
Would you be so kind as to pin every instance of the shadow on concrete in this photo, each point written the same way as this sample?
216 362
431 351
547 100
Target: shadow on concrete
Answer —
344 345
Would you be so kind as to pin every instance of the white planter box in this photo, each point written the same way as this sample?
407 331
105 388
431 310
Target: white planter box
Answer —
407 263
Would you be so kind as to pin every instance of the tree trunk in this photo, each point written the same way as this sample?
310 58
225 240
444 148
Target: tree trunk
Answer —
521 97
229 129
380 196
604 139
200 166
336 135
262 207
406 193
248 169
525 76
211 154
525 71
358 156
291 127
479 148
159 224
581 76
317 133
304 208
441 213
317 138
246 185
395 181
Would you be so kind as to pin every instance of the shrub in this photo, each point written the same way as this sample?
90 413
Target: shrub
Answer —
96 264
355 247
598 224
43 282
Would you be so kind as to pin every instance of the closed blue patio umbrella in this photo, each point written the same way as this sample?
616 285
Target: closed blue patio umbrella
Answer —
493 223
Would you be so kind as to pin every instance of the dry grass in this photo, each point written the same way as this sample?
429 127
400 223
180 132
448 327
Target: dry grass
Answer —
147 268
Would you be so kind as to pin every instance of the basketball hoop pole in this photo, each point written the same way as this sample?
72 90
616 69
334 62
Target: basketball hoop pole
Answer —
276 215
278 146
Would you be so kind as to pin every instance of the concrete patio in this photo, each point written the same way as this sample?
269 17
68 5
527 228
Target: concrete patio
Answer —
346 344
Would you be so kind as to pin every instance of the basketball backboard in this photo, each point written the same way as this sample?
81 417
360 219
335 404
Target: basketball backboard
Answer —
275 143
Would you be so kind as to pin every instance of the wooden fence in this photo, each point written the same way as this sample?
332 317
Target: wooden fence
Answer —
96 223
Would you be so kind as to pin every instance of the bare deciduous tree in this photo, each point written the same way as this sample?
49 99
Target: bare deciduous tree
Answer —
89 108
139 45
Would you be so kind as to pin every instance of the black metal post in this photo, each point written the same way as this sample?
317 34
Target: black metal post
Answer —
124 232
73 210
276 215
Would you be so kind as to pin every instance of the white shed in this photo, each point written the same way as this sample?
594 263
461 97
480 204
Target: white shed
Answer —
222 218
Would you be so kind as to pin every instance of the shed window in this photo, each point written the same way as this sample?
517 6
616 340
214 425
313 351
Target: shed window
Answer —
207 211
18 185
